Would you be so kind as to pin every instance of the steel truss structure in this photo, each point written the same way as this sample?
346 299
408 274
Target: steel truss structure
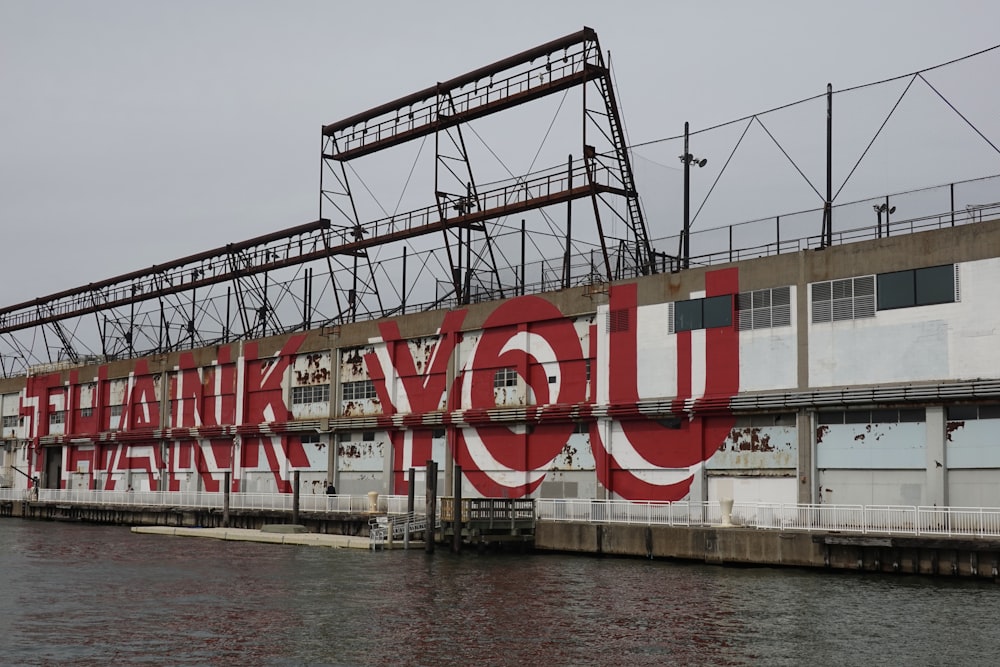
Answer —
271 283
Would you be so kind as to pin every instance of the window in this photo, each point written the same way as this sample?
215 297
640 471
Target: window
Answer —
967 412
886 416
314 393
916 287
505 377
57 417
355 391
86 412
581 427
10 421
116 410
766 420
368 436
715 311
437 433
310 439
764 308
847 299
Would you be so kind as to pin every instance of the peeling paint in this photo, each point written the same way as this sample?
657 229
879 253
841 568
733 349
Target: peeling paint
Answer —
950 427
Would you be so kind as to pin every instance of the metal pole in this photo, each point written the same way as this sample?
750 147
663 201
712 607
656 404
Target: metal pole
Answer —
431 504
412 475
828 204
686 232
403 291
569 222
522 255
456 538
295 497
225 499
952 188
306 299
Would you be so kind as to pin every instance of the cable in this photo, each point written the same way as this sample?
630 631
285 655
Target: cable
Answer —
877 132
728 160
789 157
974 128
814 97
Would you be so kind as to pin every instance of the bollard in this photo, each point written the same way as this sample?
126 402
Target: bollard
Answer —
726 504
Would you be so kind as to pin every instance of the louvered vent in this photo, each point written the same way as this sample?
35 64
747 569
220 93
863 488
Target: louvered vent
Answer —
618 320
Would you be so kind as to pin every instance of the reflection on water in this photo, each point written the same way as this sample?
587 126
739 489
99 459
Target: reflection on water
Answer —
89 595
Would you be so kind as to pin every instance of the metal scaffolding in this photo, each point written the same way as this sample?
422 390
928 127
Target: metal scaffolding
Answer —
344 267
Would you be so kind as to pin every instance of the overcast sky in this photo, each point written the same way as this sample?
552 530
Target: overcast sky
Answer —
133 133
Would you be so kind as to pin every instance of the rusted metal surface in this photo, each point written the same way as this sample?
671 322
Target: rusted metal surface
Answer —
383 118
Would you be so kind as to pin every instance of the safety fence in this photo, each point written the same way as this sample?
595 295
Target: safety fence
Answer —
890 519
886 519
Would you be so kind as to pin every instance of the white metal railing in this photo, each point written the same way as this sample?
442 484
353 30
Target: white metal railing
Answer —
280 502
399 527
890 519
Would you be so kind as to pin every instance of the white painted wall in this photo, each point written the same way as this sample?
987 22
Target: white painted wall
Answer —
925 343
891 446
872 487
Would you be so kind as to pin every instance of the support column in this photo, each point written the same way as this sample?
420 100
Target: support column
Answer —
295 497
431 505
806 466
936 489
225 499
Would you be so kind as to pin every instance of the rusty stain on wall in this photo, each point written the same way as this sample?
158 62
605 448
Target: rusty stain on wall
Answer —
950 427
820 432
748 439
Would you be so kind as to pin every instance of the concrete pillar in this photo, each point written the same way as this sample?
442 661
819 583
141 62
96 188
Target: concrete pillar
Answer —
936 489
806 467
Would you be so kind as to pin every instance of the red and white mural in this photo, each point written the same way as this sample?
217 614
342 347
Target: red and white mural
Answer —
510 395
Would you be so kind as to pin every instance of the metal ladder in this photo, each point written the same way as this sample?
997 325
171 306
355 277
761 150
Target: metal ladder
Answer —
645 263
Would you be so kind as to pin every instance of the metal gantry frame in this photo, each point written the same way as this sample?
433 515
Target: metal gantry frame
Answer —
462 210
271 283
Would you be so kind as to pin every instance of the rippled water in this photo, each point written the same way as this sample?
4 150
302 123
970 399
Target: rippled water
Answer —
91 595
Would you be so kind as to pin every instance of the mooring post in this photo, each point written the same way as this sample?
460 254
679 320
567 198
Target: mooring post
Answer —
295 497
431 510
456 538
411 478
225 500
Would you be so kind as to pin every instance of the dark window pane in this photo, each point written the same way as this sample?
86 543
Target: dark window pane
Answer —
962 412
718 311
857 417
895 290
989 411
936 284
912 415
830 417
885 416
687 315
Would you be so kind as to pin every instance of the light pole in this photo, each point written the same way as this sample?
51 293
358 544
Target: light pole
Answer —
879 210
687 159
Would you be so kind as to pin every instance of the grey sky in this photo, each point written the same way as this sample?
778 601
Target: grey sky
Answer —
133 133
